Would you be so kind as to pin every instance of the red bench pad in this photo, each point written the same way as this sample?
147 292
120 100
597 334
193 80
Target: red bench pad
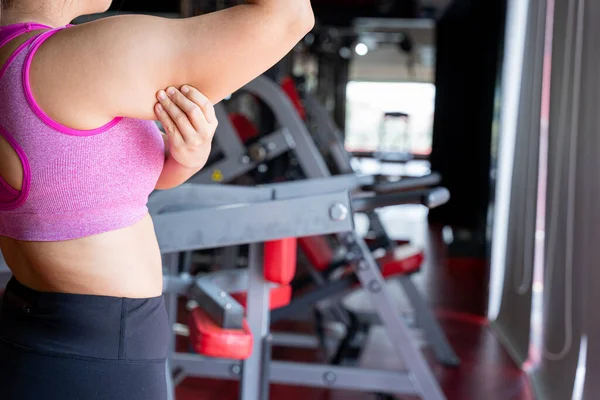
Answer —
209 339
403 260
279 296
317 250
279 263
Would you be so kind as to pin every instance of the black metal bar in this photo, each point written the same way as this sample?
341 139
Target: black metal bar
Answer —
305 280
368 202
345 344
303 302
405 184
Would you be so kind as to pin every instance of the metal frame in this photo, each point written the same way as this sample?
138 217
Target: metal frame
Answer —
314 168
302 374
181 225
245 221
236 160
275 213
258 370
326 134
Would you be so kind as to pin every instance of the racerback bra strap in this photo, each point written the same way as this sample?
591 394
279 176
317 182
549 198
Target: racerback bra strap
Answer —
10 32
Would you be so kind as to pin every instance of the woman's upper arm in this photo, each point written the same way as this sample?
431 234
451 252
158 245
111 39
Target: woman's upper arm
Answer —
115 66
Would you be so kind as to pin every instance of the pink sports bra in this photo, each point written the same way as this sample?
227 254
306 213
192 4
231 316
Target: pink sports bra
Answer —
76 183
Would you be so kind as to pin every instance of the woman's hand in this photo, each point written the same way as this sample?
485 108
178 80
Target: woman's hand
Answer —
190 122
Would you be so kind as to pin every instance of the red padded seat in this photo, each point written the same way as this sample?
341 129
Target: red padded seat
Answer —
279 262
404 260
209 339
279 267
279 296
317 250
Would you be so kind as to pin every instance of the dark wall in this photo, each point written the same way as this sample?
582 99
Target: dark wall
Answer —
331 12
469 48
163 6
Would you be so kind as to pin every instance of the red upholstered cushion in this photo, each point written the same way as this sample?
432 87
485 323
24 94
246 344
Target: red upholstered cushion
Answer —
246 130
403 260
209 339
289 87
279 296
317 250
280 260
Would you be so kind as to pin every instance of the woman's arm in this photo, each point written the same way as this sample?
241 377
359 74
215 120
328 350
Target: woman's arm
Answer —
85 75
190 122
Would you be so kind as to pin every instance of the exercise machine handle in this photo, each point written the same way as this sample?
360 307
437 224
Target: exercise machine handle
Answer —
404 184
430 198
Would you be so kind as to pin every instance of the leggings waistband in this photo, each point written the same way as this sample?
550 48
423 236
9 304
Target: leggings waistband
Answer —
100 327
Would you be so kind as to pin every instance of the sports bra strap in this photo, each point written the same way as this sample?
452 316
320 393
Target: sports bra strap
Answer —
10 32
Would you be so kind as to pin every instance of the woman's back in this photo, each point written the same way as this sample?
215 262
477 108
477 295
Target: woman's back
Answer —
72 187
78 158
83 78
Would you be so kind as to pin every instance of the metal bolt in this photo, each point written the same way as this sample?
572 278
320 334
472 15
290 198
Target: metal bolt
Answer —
223 294
362 266
271 146
228 306
236 369
338 212
262 168
246 160
349 239
329 378
374 287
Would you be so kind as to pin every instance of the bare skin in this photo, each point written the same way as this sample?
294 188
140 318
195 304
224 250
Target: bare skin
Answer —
216 53
190 122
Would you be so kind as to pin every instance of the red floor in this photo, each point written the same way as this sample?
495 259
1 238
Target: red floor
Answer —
457 289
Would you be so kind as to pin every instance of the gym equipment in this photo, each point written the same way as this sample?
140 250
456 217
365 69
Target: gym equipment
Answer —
329 138
238 215
233 158
384 193
387 150
398 262
287 109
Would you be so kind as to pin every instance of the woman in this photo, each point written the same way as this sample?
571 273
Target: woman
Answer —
83 317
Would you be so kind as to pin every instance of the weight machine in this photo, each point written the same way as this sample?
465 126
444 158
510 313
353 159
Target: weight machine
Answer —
235 344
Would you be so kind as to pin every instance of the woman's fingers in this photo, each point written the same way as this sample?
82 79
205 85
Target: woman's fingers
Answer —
169 125
170 100
190 121
202 101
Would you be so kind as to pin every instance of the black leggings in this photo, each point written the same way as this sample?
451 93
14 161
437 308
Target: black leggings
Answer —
56 346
